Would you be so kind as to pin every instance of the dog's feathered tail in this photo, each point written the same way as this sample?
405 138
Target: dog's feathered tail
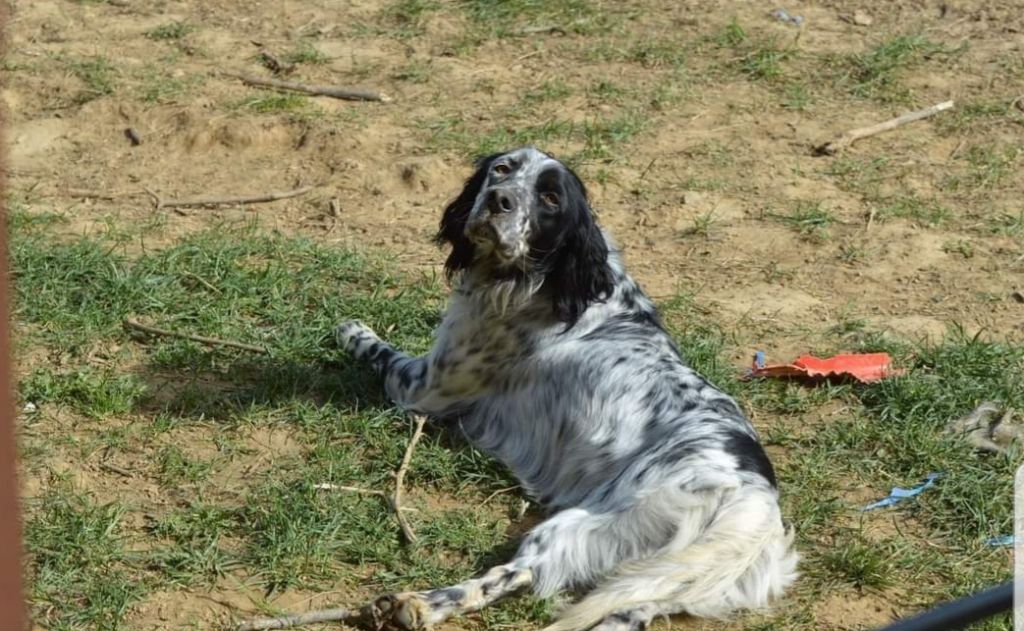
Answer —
742 560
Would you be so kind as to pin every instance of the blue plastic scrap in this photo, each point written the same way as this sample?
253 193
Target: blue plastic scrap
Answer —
1004 540
899 494
783 16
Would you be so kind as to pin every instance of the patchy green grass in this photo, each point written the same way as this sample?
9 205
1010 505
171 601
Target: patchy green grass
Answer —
877 73
702 224
306 53
82 574
962 247
926 212
282 526
809 219
860 175
156 87
170 31
984 167
594 139
98 76
92 392
765 62
974 114
505 18
275 103
1007 224
404 18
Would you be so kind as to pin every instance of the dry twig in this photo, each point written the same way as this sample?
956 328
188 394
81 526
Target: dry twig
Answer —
227 201
396 500
316 90
499 492
132 324
202 281
296 620
850 137
330 486
106 196
116 469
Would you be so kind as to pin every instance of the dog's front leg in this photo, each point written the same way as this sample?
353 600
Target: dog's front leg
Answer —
409 381
412 611
572 547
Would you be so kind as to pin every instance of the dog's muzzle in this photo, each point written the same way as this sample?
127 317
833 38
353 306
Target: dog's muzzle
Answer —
498 225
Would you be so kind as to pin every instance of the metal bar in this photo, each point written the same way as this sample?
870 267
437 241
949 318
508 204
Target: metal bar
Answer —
957 614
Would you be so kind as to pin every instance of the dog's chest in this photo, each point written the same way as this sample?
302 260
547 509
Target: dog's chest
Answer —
473 354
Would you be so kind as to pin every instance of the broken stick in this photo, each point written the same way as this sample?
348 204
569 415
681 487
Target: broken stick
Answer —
316 90
396 500
847 139
227 201
296 620
132 324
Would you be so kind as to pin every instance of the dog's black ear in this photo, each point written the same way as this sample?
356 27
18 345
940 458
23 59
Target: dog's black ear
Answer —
579 274
456 214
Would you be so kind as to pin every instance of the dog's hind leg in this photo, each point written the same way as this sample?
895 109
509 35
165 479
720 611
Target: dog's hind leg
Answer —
635 618
573 547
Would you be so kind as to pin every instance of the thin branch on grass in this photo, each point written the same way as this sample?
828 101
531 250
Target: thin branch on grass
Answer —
132 324
297 620
107 196
330 486
227 201
116 469
202 281
316 90
548 29
499 492
850 137
158 201
394 501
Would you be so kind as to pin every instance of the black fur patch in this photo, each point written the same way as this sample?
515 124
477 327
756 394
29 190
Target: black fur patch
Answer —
750 455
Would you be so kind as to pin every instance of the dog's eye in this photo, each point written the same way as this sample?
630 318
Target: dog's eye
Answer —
501 169
549 198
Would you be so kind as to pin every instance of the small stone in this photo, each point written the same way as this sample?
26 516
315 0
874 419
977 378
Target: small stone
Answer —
692 198
861 18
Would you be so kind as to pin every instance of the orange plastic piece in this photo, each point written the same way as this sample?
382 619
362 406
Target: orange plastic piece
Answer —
864 367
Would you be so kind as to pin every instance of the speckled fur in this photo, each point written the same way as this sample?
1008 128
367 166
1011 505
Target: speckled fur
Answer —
553 360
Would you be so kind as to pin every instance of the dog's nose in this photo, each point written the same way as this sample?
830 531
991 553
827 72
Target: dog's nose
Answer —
500 202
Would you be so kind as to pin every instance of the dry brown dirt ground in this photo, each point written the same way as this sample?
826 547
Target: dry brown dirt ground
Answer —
693 124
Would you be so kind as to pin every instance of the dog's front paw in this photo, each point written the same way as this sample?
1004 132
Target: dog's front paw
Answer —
349 333
408 611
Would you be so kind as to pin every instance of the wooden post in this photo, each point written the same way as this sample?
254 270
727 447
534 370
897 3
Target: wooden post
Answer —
12 604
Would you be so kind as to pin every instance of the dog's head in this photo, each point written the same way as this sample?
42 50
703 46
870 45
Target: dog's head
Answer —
524 213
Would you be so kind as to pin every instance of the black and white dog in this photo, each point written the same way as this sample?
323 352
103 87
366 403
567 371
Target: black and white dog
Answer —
551 358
